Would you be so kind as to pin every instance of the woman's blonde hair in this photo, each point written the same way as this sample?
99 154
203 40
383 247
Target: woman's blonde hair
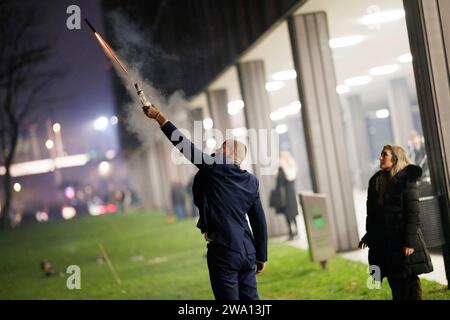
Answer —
400 159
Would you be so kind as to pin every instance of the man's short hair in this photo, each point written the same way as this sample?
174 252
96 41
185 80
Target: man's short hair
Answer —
238 147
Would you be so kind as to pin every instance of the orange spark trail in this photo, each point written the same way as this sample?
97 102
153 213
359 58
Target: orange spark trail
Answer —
110 52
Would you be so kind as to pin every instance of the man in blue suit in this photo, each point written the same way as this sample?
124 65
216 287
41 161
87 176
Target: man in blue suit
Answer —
224 194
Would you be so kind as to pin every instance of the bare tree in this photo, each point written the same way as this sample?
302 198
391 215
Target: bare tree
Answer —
23 78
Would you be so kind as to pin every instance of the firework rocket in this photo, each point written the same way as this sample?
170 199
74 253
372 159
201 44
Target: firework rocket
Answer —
113 57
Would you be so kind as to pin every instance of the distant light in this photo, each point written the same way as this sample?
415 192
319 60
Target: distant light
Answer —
208 123
405 58
17 187
239 131
49 144
341 89
56 127
382 17
284 75
110 154
276 116
111 208
383 70
101 123
345 41
45 165
281 128
211 143
235 107
114 120
68 212
69 192
293 108
104 168
382 113
41 216
357 81
88 189
274 85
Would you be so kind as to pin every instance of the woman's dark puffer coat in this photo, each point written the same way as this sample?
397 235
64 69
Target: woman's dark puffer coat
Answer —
395 225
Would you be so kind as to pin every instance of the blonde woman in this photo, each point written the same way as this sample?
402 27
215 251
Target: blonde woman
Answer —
393 232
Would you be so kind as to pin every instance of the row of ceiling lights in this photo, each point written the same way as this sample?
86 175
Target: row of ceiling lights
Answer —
375 18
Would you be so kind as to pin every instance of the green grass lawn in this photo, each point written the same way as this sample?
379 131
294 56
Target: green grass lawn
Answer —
158 260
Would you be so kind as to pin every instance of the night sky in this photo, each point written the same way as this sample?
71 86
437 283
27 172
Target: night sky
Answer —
86 88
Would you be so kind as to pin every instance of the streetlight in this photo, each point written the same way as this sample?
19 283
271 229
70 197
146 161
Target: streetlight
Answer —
101 123
104 168
56 127
17 187
49 144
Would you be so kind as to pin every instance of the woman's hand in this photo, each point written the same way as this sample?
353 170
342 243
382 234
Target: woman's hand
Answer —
408 251
362 245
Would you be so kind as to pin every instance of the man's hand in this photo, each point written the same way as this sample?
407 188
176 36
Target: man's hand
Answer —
154 113
151 111
259 266
206 237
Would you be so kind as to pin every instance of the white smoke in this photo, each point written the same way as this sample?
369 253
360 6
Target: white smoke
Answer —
136 51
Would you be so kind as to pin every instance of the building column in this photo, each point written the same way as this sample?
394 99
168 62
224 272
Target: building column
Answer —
218 101
429 38
252 80
322 122
361 139
400 111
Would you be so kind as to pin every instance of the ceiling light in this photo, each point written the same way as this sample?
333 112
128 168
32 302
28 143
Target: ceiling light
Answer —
239 131
281 128
382 17
284 75
235 107
405 58
382 113
207 123
345 41
292 108
382 70
276 116
340 89
274 85
357 81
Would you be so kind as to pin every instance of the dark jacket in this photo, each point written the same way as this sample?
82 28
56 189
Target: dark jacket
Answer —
288 205
395 224
224 193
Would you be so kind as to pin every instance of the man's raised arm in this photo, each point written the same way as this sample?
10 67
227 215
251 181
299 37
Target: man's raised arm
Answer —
178 139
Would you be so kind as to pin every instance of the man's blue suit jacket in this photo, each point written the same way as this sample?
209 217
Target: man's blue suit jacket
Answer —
224 194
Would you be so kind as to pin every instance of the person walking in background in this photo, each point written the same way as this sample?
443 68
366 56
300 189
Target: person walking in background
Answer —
189 186
393 232
285 187
417 151
179 200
